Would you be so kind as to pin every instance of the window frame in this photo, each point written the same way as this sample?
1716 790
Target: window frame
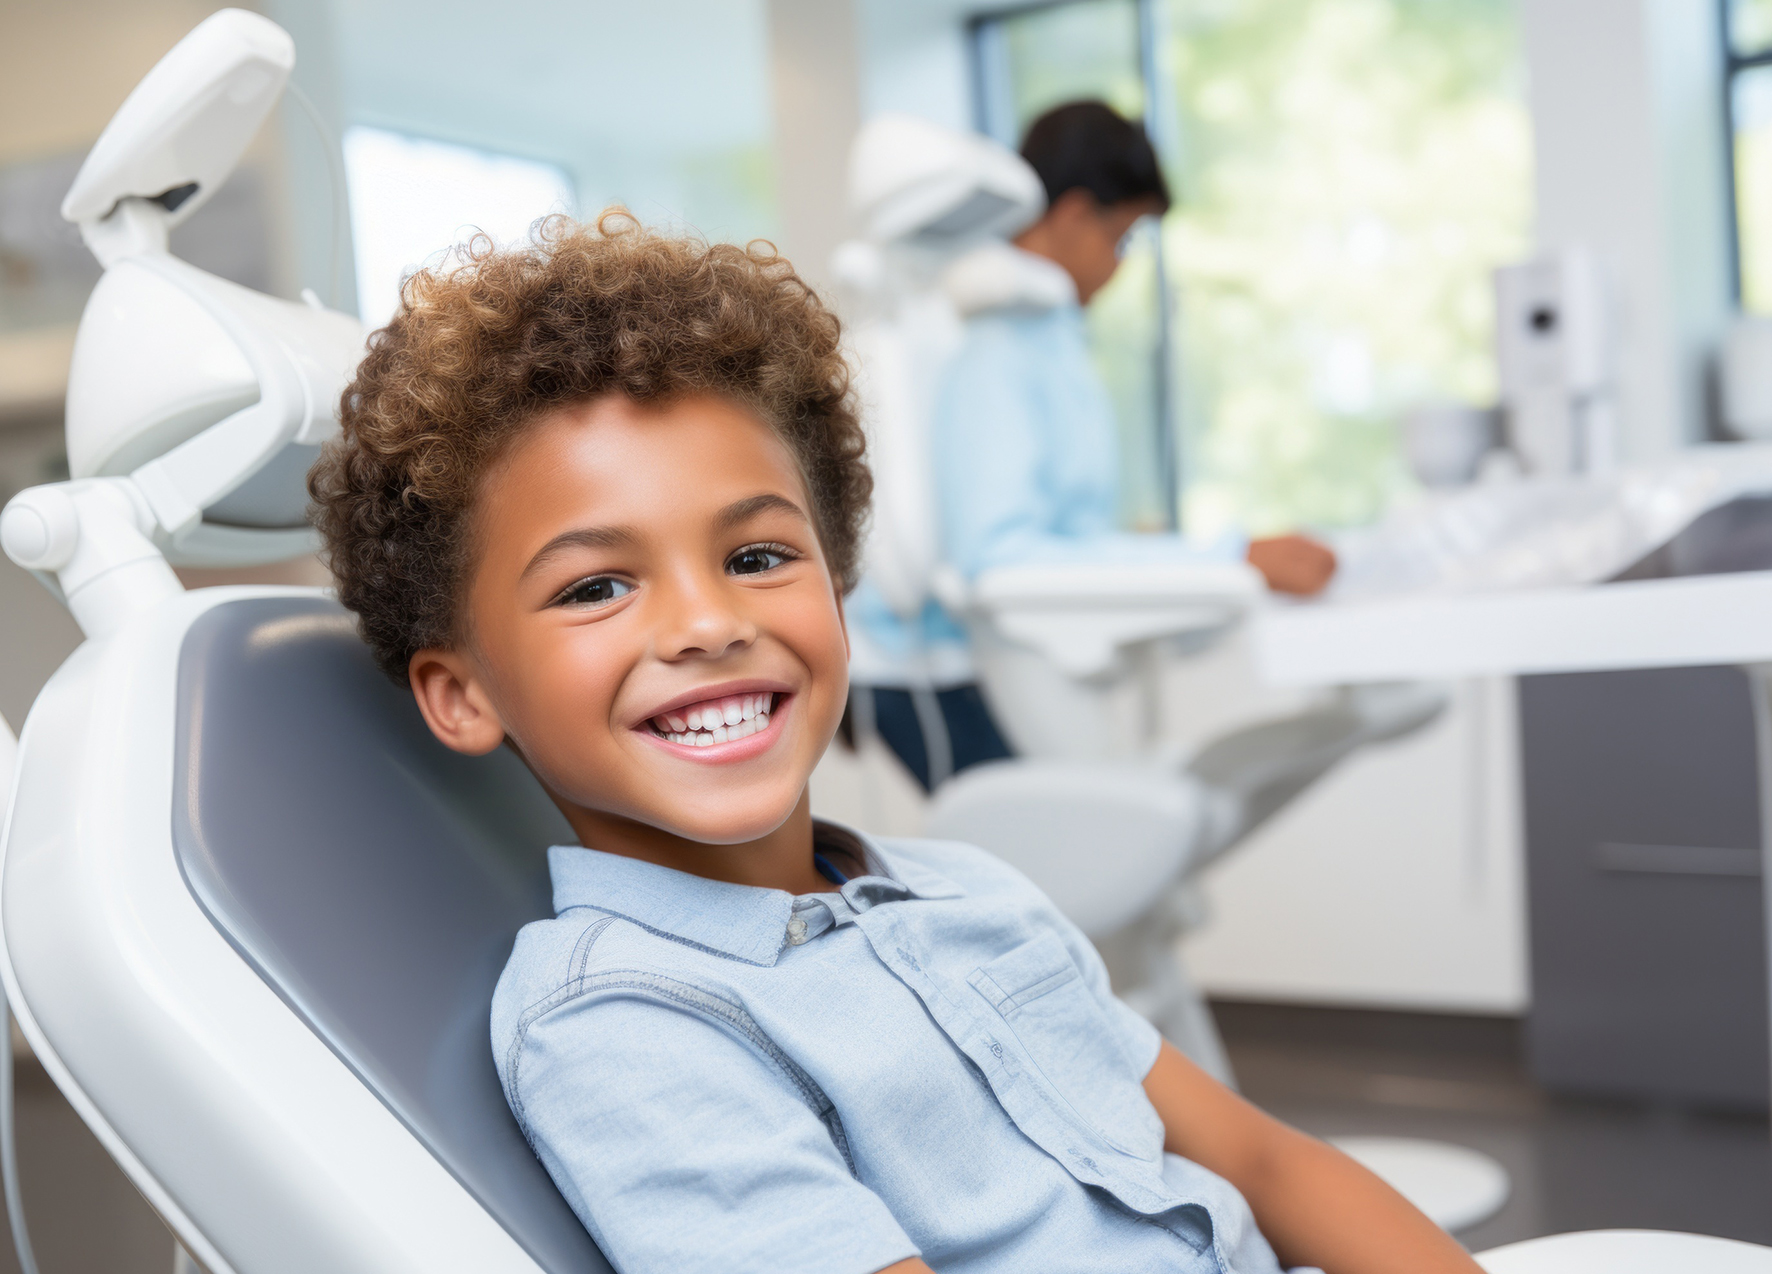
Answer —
1734 65
983 57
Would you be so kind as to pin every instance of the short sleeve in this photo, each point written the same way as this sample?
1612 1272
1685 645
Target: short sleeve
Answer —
683 1144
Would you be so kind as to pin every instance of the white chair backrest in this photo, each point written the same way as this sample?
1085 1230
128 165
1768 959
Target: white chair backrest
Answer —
926 195
899 356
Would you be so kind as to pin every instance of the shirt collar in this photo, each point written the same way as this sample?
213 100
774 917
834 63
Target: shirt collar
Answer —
741 921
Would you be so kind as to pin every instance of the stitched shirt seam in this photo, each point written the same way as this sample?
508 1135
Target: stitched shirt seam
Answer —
701 1002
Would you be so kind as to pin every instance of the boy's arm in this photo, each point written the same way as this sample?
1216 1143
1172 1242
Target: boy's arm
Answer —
1313 1204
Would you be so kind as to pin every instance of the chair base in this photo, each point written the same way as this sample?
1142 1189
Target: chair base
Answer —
1456 1187
1628 1252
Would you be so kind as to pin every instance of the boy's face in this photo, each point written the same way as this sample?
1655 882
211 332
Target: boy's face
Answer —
650 620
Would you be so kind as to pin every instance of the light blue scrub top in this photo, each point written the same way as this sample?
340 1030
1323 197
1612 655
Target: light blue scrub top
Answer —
924 1060
1026 461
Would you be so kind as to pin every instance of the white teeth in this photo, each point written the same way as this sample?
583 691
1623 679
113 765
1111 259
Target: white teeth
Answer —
721 722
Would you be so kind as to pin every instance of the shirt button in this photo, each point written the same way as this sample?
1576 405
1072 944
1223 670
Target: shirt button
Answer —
796 931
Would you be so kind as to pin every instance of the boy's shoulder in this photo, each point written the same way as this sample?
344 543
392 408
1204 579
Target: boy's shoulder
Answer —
550 956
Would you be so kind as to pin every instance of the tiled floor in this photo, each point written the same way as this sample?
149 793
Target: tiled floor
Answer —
1575 1164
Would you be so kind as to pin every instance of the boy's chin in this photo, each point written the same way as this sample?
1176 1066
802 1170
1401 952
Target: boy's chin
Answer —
732 822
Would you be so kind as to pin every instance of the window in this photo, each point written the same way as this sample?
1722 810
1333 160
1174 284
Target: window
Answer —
1748 90
1347 175
412 199
1025 63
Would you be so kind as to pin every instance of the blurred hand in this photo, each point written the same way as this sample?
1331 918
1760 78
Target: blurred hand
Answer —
1293 563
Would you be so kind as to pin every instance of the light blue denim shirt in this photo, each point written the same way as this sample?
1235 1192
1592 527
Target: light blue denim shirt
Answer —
925 1061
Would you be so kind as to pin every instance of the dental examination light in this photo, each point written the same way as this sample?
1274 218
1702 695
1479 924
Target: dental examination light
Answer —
194 405
911 179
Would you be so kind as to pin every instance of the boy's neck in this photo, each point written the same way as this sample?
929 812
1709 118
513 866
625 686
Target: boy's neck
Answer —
782 859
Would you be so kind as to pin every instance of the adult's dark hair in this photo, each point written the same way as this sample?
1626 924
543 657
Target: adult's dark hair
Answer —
1089 146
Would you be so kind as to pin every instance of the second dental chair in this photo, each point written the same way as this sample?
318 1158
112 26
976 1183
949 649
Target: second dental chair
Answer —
1114 828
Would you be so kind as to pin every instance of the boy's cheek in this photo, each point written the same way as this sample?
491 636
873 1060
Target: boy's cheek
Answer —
812 623
564 694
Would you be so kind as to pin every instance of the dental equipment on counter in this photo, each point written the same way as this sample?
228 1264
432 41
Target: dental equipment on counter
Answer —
270 1007
1555 354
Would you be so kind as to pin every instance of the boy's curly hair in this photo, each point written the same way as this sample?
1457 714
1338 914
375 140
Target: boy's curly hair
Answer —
486 344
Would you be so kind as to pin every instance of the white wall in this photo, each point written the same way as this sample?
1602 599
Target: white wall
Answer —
664 107
1627 118
914 59
814 56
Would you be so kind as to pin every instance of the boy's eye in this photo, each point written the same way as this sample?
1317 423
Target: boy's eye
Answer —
759 558
597 591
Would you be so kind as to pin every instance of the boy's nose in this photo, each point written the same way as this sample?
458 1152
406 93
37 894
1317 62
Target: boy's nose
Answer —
700 618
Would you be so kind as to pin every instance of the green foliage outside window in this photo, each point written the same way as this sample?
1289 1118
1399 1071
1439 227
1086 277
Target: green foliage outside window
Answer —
1750 26
1351 173
1348 173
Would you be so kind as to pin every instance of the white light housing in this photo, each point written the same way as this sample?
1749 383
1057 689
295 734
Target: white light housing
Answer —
909 177
181 132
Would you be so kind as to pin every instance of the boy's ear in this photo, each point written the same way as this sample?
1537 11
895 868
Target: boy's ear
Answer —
454 702
843 623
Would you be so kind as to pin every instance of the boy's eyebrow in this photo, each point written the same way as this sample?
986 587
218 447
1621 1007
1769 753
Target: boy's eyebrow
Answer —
613 537
751 505
584 537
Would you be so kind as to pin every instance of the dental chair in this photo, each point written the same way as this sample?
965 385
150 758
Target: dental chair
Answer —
1071 665
1114 826
251 912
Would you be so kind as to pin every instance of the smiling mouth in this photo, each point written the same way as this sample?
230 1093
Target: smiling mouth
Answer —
724 720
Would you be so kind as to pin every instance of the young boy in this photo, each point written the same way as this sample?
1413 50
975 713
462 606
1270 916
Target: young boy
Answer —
599 500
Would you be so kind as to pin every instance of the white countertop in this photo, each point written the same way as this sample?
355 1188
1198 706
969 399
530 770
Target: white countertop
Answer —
1683 622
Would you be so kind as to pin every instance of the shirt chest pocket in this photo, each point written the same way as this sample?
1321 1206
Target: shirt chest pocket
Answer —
1066 1035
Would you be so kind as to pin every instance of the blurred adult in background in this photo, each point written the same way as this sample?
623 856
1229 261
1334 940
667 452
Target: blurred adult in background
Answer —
1023 440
